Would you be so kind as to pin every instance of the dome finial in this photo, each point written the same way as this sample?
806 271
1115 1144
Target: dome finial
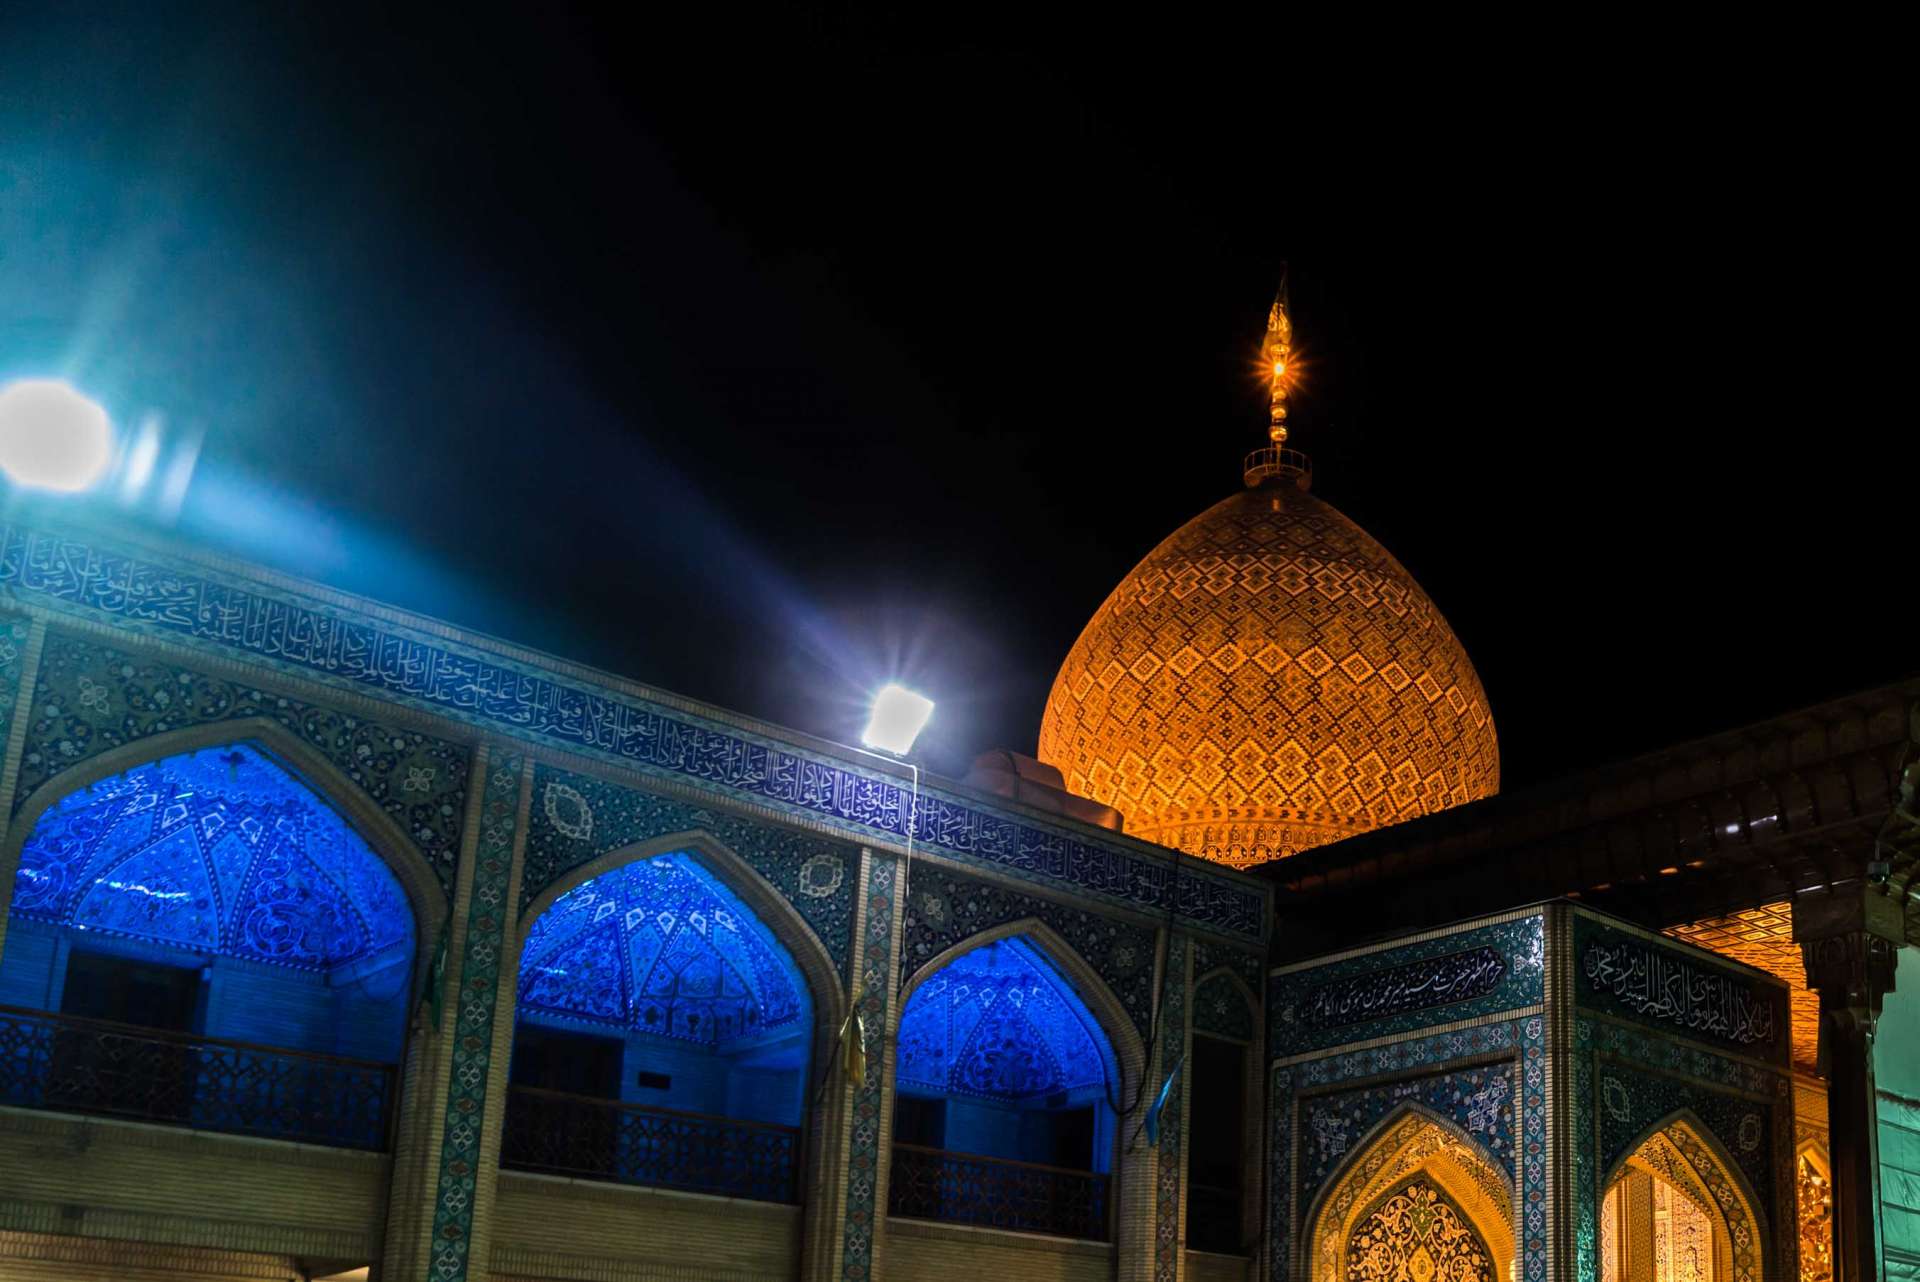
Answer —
1276 359
1282 374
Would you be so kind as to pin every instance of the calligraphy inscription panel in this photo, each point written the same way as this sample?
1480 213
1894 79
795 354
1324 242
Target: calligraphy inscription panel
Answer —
387 660
1481 970
1436 981
1626 975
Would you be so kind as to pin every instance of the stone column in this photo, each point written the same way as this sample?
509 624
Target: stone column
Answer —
1849 939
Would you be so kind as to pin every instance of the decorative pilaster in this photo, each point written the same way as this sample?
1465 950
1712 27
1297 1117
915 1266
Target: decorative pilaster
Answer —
1563 1247
456 1089
877 942
1169 1247
1850 941
20 642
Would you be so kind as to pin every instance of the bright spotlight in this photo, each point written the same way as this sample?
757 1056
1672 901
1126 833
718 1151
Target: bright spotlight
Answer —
51 436
898 716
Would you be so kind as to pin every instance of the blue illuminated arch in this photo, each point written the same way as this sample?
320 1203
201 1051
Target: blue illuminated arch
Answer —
1000 1023
662 946
221 852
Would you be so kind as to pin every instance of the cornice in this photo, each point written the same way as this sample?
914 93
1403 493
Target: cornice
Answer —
139 585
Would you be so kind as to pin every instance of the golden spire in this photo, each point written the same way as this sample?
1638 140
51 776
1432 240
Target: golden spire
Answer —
1276 359
1282 373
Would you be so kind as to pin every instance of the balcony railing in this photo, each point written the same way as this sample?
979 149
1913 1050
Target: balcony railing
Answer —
933 1184
602 1139
74 1065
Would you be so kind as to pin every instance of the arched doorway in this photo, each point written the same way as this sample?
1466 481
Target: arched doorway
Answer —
662 1036
1222 1184
1673 1211
1813 1196
202 939
1005 1087
1417 1200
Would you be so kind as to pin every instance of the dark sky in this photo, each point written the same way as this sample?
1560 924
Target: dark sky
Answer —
763 357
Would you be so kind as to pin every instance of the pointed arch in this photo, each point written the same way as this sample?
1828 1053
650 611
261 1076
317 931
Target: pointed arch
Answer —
1239 982
1683 1151
1238 1025
743 879
1136 1164
1240 987
425 896
1122 1037
1410 1142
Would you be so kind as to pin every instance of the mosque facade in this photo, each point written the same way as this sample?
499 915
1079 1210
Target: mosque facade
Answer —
340 943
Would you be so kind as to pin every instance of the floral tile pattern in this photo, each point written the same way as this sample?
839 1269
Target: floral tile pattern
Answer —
577 818
863 1163
1220 1007
1625 1080
1428 1067
90 697
473 1022
1167 1242
944 909
1209 956
1483 1101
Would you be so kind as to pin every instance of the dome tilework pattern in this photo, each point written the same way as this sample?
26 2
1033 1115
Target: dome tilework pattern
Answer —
1267 680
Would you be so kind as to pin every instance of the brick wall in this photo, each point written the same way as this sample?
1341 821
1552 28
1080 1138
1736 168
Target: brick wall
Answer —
1204 1266
918 1249
551 1228
129 1181
47 1257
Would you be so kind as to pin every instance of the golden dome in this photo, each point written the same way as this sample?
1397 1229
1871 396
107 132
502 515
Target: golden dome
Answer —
1269 679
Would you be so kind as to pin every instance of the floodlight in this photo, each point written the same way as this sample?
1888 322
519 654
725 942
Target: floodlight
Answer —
898 716
51 436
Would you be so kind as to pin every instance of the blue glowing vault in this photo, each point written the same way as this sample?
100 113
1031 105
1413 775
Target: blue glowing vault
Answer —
661 946
221 852
999 1022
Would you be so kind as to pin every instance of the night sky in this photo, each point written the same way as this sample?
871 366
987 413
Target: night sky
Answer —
765 358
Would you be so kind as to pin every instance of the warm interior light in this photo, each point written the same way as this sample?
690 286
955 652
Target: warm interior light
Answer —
898 717
1279 369
51 436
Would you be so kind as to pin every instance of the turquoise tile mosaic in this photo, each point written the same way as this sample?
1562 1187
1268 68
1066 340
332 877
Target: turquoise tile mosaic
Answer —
1680 992
1470 973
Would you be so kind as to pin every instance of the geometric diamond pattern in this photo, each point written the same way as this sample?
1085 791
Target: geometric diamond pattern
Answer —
1269 679
1763 938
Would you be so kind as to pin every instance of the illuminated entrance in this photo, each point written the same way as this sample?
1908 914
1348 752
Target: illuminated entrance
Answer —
1418 1202
1673 1212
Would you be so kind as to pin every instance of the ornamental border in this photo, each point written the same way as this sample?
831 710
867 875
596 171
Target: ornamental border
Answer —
1522 1039
339 642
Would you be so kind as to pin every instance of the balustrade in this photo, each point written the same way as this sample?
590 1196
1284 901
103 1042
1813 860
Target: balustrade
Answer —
74 1065
601 1139
967 1188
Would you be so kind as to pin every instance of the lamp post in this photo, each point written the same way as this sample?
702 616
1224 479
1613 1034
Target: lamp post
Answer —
896 719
